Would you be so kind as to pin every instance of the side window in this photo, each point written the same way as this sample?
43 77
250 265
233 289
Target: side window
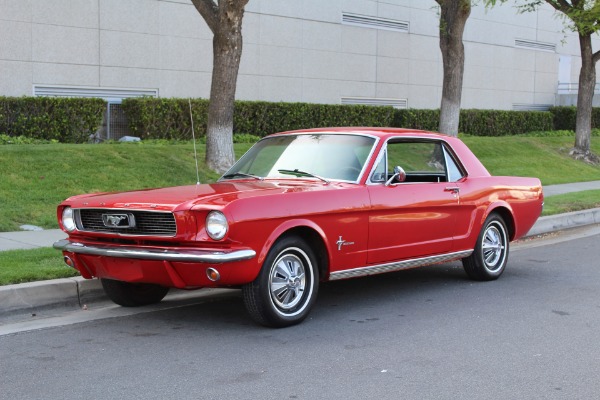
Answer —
379 174
422 161
454 172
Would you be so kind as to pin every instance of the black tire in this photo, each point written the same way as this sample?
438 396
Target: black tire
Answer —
286 287
133 294
488 260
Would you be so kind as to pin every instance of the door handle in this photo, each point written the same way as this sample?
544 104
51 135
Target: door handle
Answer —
453 189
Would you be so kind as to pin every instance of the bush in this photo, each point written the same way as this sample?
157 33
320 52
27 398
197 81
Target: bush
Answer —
565 117
51 118
427 120
151 118
504 123
170 118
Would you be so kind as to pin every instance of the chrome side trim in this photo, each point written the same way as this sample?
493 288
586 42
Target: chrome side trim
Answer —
397 266
157 254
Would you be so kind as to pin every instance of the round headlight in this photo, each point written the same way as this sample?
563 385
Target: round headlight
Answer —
67 219
216 225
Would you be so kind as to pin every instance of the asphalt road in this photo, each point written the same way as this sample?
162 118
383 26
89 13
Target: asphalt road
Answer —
427 333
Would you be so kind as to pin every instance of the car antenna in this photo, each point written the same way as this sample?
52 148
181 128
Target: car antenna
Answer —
194 141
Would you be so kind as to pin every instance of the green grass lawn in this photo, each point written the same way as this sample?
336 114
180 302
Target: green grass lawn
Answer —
571 202
544 157
35 178
19 266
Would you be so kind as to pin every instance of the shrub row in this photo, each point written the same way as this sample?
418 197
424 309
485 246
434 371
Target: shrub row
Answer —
73 120
50 118
170 118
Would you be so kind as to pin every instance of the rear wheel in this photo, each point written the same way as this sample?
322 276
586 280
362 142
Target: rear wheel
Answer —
488 260
286 287
133 294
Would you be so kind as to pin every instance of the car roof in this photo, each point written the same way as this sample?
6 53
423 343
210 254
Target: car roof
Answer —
380 132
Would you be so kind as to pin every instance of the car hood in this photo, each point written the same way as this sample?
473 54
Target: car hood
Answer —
180 198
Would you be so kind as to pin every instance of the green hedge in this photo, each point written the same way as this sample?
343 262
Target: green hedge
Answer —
503 123
170 118
51 118
73 120
565 118
151 118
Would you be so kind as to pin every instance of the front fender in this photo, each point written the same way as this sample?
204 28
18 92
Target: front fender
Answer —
287 226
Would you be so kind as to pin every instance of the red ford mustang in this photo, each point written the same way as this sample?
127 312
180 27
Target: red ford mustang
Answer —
299 208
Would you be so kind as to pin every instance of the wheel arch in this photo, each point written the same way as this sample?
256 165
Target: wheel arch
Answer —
506 214
308 231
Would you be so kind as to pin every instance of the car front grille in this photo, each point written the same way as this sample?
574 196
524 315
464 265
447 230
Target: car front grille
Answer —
147 223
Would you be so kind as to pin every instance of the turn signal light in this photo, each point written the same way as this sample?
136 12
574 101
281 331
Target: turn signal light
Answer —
212 274
69 261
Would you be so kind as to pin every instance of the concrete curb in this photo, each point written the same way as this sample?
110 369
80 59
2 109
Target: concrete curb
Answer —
31 298
553 223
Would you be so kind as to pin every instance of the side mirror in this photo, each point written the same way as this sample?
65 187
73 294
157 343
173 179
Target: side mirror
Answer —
399 175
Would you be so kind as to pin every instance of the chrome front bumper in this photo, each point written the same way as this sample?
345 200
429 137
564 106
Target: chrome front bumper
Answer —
158 254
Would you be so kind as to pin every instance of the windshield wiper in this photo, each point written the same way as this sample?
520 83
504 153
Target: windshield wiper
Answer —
242 174
298 173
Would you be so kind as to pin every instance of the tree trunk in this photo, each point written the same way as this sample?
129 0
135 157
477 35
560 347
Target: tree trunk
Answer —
453 17
224 18
585 95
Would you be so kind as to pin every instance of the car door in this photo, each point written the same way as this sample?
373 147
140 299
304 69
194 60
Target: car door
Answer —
414 216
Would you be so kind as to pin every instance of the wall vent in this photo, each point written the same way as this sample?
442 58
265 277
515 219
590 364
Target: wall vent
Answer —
371 101
102 93
534 45
366 21
531 107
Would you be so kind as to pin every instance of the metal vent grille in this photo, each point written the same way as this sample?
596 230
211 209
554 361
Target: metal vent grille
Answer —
534 45
147 223
102 93
531 107
371 101
366 21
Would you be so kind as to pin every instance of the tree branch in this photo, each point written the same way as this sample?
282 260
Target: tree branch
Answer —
209 11
596 57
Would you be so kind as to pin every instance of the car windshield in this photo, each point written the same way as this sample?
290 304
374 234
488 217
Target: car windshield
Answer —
314 156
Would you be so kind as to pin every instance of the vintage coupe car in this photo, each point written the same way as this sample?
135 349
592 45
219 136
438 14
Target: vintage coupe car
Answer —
299 208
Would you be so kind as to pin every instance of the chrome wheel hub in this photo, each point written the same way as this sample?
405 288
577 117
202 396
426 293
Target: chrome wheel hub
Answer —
493 248
287 281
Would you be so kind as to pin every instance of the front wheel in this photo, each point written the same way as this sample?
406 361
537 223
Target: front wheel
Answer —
488 260
286 287
133 294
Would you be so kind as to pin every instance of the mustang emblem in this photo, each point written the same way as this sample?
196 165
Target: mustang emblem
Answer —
118 220
341 242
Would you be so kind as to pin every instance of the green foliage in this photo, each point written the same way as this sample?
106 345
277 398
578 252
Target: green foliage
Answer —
261 118
427 120
503 123
162 118
19 266
30 120
51 118
5 139
565 117
245 138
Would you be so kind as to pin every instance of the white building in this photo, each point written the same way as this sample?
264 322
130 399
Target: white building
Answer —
322 51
